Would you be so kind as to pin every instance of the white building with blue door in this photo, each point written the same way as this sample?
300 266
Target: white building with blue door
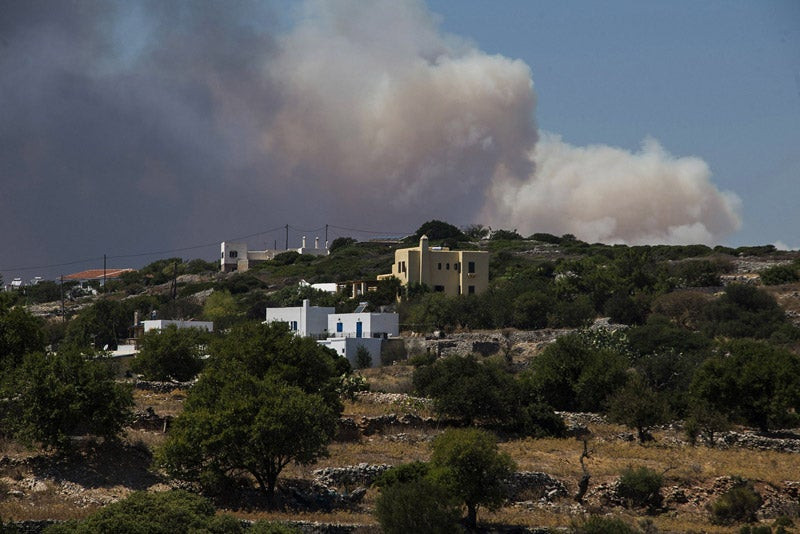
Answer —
342 332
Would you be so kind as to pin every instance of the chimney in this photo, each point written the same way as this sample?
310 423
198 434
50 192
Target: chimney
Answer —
304 241
316 242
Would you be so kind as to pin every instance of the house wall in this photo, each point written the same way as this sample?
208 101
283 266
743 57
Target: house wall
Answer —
348 346
373 325
230 256
441 269
310 321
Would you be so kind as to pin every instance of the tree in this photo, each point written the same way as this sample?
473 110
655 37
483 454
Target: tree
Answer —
637 406
743 311
220 305
267 398
236 423
466 461
66 394
436 230
20 333
756 383
363 357
411 501
170 354
340 242
100 325
573 375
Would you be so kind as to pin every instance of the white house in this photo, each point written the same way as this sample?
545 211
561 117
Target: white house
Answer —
342 332
237 257
305 320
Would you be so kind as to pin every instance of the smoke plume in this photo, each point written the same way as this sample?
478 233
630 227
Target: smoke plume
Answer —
128 123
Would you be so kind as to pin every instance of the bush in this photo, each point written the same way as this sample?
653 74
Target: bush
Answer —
420 505
363 358
738 504
172 512
780 274
640 486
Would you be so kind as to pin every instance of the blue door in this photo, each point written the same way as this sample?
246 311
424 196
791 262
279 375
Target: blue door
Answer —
359 329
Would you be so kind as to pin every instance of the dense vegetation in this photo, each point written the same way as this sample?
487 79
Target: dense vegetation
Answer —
681 345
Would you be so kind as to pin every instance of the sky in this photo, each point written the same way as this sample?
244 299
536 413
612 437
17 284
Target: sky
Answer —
145 129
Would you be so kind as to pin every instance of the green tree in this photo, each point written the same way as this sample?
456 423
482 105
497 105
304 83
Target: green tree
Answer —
640 486
743 311
66 394
637 406
417 505
464 387
220 306
467 462
363 357
573 375
170 354
100 325
756 383
267 398
20 333
436 230
340 242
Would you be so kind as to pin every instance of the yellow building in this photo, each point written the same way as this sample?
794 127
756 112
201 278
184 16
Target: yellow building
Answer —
454 272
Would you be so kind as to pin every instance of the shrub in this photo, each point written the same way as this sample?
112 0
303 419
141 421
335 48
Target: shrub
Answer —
640 486
738 504
363 358
779 274
420 505
175 512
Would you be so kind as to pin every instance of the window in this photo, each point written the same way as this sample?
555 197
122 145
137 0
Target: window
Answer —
439 266
440 289
471 267
339 326
293 326
455 267
471 290
233 254
447 266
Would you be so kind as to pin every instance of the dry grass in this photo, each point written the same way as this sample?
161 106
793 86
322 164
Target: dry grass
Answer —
390 379
162 403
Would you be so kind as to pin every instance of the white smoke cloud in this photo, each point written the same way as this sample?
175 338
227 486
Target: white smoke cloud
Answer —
380 108
605 194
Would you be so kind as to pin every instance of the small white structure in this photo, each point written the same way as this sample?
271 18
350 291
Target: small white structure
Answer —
305 320
160 324
237 257
328 287
342 332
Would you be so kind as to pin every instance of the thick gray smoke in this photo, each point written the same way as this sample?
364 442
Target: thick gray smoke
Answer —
129 125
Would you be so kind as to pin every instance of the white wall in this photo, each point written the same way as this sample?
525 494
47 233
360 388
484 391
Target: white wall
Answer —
372 324
228 263
310 320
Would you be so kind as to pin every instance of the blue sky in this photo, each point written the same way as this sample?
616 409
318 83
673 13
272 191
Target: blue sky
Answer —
142 129
715 79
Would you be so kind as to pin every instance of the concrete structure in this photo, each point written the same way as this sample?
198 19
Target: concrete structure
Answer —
160 324
342 332
96 275
305 320
453 272
237 257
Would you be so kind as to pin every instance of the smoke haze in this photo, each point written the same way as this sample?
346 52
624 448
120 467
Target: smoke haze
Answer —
133 125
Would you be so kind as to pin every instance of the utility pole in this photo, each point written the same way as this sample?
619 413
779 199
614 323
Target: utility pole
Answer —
174 288
287 237
104 273
326 236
